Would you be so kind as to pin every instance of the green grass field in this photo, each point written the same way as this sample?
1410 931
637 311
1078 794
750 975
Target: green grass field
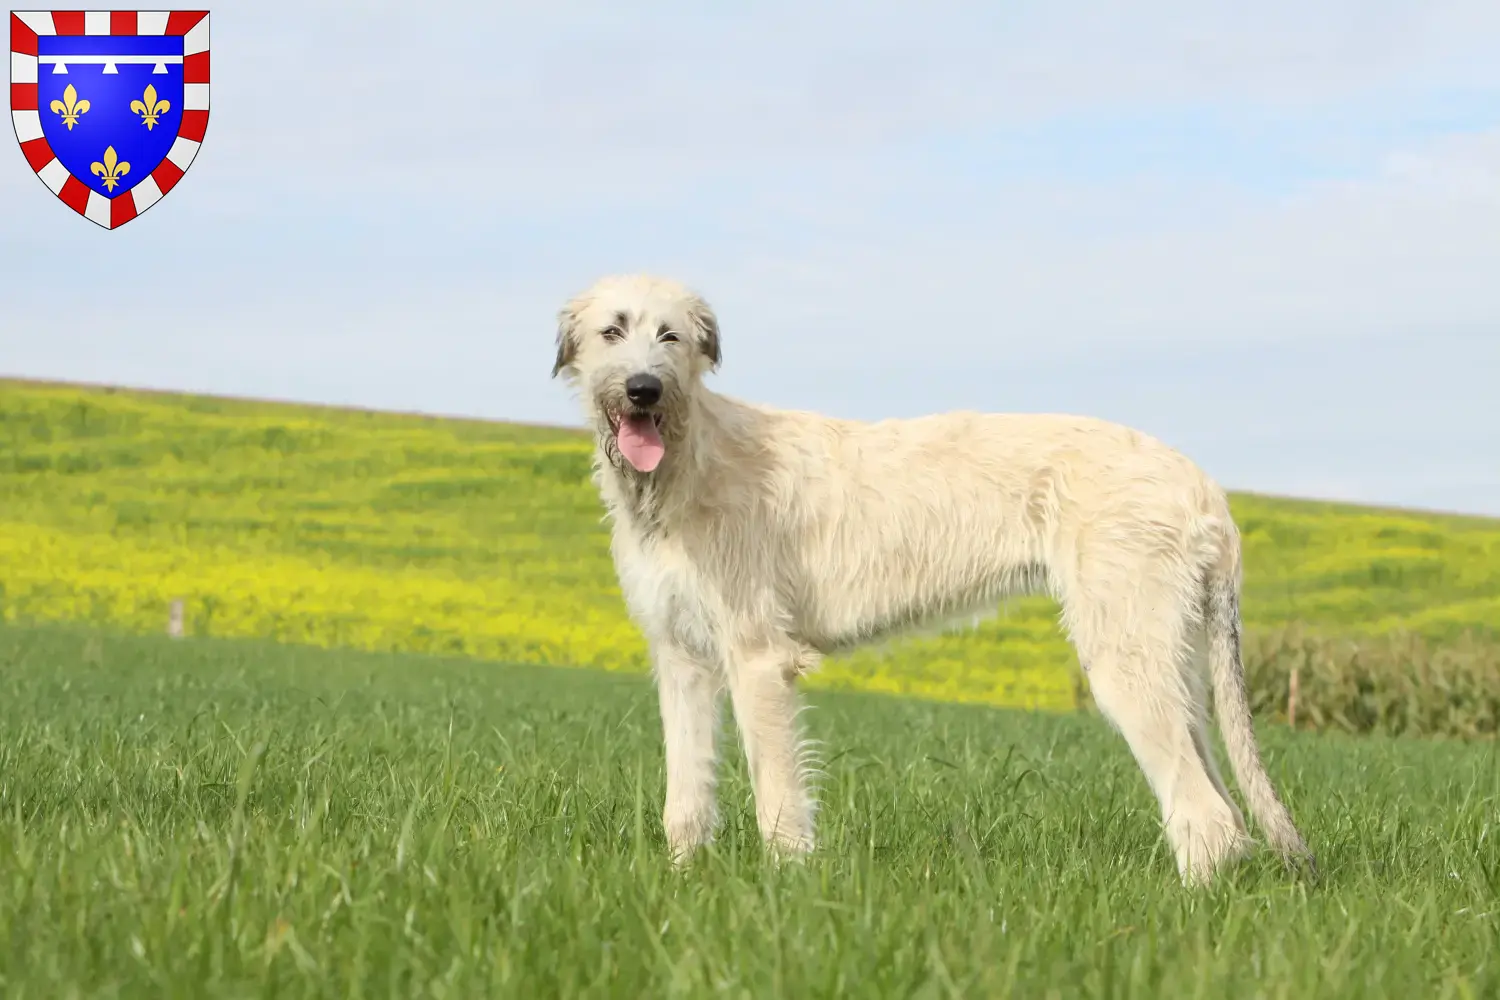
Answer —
210 818
388 532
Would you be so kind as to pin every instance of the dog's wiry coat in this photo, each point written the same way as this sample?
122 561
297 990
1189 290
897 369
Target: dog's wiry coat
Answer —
766 538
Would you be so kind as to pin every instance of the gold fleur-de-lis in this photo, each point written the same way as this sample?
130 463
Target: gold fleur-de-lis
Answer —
111 170
70 107
150 109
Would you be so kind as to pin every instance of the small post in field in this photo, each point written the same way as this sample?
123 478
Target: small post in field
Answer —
1291 699
174 619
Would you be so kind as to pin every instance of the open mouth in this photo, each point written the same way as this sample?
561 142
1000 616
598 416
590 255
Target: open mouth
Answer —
638 435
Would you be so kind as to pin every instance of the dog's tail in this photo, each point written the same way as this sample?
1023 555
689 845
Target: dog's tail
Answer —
1232 706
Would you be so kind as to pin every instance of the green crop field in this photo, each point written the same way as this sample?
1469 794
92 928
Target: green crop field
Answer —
388 532
210 818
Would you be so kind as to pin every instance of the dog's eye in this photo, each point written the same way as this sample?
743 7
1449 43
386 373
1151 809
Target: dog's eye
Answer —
612 333
668 337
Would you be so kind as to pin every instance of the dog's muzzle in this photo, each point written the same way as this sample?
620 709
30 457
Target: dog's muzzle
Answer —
637 429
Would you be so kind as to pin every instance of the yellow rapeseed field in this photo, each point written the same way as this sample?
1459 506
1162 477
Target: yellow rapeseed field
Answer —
396 532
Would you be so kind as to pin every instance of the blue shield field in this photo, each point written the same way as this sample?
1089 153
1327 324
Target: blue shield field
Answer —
110 105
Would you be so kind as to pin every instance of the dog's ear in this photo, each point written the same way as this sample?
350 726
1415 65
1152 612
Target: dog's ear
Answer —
568 320
706 330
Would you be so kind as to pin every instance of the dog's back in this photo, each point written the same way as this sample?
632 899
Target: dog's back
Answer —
907 523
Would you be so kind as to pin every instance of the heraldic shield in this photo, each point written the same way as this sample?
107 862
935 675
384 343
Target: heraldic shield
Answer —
110 106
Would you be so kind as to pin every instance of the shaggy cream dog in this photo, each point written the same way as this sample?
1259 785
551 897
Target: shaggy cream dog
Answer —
749 541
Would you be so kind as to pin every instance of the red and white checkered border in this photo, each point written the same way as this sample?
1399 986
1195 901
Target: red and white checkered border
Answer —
111 213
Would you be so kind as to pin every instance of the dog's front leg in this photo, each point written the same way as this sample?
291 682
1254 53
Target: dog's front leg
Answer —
690 693
761 685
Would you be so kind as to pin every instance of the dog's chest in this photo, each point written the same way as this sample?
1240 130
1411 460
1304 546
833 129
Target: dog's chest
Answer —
667 594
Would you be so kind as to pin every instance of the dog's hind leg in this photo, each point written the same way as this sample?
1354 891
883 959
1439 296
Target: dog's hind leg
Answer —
1139 663
690 693
762 687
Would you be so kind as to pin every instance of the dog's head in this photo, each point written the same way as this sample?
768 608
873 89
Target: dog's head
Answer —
636 347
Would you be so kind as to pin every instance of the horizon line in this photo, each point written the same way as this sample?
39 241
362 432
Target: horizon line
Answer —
582 431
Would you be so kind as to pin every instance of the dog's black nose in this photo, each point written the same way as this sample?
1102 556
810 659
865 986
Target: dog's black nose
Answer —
643 390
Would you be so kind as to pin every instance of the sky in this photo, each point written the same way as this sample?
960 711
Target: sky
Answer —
1266 233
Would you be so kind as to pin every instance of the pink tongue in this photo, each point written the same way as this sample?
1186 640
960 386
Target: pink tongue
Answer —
640 444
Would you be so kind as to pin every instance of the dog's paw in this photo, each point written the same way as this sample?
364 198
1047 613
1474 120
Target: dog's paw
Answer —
685 837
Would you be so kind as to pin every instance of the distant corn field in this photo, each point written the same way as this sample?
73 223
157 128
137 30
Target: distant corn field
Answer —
393 532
